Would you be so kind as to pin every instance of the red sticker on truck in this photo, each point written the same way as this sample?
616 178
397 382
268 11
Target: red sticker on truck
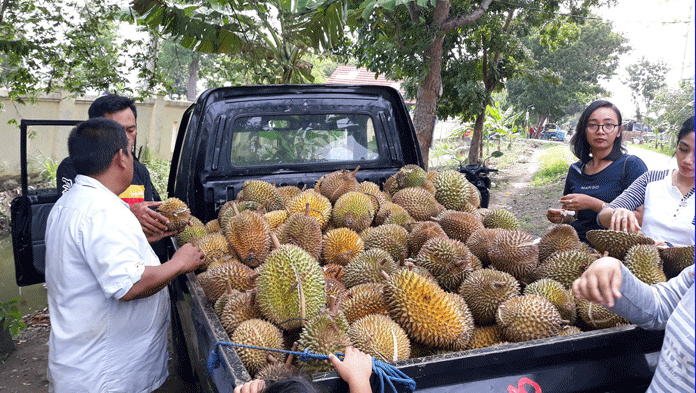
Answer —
522 386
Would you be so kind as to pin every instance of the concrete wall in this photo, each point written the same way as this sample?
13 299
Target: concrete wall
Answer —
158 123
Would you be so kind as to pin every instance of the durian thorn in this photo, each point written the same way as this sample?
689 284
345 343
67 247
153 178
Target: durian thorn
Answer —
495 285
288 361
306 212
274 239
234 208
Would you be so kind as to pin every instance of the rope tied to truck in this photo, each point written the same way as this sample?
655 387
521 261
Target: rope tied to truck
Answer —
386 373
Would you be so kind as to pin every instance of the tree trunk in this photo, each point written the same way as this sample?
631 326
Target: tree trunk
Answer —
424 114
192 79
476 138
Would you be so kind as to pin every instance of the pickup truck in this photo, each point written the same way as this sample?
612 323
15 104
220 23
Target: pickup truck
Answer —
292 135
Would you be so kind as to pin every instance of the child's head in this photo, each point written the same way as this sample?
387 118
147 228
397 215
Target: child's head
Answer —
296 384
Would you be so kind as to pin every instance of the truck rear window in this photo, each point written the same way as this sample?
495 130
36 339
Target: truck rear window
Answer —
303 138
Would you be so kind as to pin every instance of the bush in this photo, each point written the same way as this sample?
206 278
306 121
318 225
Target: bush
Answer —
553 166
11 317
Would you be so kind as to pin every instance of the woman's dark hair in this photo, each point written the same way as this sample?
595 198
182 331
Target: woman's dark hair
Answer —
296 384
93 144
110 103
580 146
686 128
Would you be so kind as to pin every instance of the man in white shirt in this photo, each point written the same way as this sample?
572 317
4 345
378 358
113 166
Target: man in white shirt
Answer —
107 295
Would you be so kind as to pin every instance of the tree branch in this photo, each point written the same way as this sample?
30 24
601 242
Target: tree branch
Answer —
5 4
511 13
461 20
415 11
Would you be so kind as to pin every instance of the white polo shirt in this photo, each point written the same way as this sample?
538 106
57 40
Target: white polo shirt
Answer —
95 251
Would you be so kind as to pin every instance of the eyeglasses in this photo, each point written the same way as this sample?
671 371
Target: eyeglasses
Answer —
608 128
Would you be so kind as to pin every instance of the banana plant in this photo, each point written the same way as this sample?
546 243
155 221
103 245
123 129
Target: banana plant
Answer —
501 123
272 36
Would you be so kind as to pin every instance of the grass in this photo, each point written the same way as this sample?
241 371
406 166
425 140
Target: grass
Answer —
553 165
666 149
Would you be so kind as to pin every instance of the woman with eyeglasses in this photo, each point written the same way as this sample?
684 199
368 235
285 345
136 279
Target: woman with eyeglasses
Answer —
667 196
603 171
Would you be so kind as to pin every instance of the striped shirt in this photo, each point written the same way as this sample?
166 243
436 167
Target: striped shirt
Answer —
669 306
667 215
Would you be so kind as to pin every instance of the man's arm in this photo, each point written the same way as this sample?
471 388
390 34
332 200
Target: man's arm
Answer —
154 278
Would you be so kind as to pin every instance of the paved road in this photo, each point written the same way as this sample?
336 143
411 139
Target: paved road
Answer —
652 159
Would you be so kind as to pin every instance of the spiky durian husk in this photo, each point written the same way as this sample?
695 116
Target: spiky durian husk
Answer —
451 190
459 225
353 210
381 337
191 232
213 281
177 212
319 206
276 218
480 241
596 316
557 294
334 288
676 259
515 252
263 193
302 230
291 287
326 333
367 267
486 289
389 237
259 333
643 260
448 260
528 317
419 203
249 236
238 309
213 226
214 247
616 243
565 266
486 336
341 245
385 210
426 312
337 183
333 270
561 237
420 233
500 218
289 192
362 300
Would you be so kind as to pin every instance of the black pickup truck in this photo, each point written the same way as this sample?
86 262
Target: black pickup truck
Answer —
292 135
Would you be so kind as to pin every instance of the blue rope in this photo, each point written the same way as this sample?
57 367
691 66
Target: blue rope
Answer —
386 373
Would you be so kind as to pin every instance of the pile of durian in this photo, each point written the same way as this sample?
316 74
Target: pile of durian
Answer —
412 270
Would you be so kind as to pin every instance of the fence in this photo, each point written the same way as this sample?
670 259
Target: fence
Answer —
158 123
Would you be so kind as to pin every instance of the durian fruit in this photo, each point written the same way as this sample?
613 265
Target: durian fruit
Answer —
289 192
177 212
324 334
515 252
528 317
557 294
409 264
451 190
400 218
337 183
238 309
220 303
249 236
363 300
275 370
276 218
214 247
377 197
319 206
419 203
676 259
259 333
381 337
459 225
565 266
568 330
263 193
191 232
500 218
368 266
616 243
426 312
385 210
480 241
486 336
303 230
448 260
420 233
231 209
333 270
369 187
341 245
214 281
353 210
561 237
213 226
391 238
643 260
410 176
291 287
473 195
486 289
333 288
597 316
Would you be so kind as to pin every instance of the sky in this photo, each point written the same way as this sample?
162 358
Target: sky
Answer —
643 22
